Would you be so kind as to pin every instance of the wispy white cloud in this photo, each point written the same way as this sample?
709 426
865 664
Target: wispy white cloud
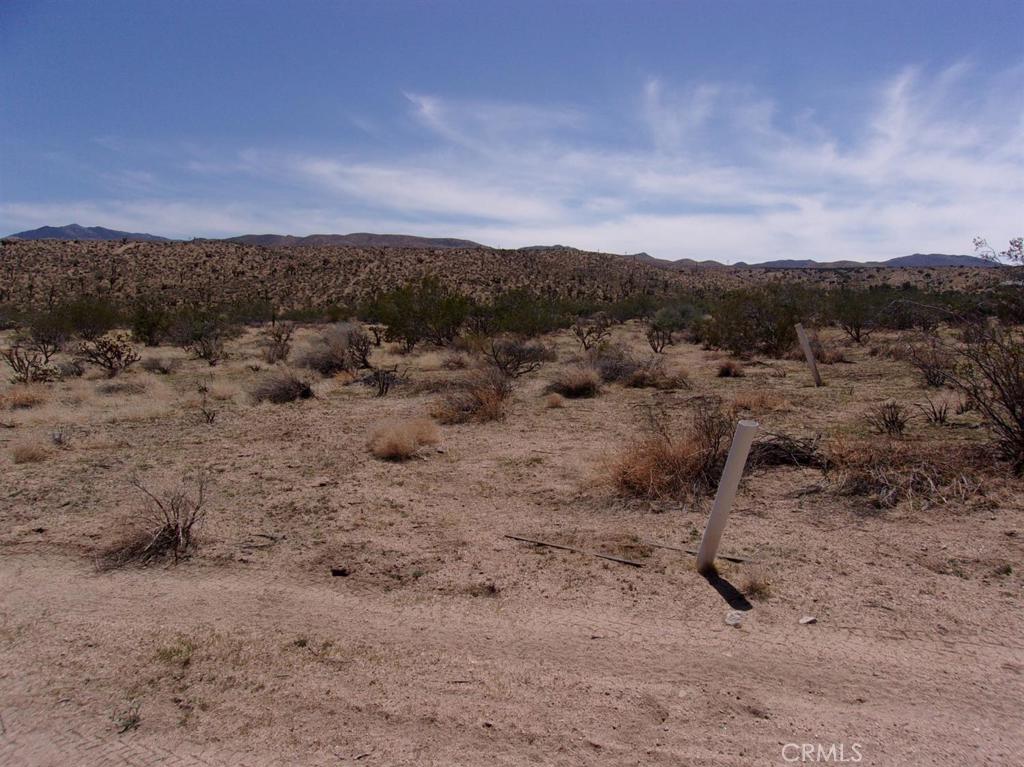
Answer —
712 171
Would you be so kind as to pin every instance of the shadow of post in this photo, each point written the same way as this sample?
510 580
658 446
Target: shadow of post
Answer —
732 595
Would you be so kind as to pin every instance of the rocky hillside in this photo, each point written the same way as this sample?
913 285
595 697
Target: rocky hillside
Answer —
36 272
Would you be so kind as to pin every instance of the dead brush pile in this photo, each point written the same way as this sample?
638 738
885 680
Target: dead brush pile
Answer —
480 398
662 464
164 529
888 472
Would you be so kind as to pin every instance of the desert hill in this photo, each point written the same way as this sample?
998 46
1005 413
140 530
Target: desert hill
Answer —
356 239
77 232
36 272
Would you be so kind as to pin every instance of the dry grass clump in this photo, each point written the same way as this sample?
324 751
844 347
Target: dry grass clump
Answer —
730 369
576 383
482 397
756 585
402 440
280 388
758 401
29 452
165 527
23 398
889 473
159 365
663 465
554 400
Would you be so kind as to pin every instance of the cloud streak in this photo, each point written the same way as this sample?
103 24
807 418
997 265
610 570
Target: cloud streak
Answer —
706 170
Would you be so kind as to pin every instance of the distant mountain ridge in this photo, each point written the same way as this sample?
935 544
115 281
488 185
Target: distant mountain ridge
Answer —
77 232
356 240
919 260
371 240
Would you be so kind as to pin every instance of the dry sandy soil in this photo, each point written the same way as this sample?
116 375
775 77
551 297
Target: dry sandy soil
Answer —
450 644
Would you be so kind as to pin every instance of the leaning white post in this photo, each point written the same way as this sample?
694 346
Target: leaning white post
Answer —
726 494
808 353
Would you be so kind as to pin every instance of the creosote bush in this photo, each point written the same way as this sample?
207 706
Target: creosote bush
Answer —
989 372
400 440
514 357
277 342
342 348
281 387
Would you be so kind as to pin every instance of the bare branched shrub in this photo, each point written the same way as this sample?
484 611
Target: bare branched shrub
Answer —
889 418
514 357
277 342
482 397
360 346
207 412
383 379
113 354
402 440
989 372
28 366
165 527
591 331
576 383
208 347
664 464
932 360
281 387
658 338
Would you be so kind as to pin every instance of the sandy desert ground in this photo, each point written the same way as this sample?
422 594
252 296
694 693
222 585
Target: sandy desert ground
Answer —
447 643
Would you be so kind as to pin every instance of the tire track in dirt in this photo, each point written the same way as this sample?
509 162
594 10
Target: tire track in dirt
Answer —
597 644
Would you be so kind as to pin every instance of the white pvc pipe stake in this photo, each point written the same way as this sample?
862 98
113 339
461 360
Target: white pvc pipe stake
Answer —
725 495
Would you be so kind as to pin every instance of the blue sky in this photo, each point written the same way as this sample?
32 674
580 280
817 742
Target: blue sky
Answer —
727 130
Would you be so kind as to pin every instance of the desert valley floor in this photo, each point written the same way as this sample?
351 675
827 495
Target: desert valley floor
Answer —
441 641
